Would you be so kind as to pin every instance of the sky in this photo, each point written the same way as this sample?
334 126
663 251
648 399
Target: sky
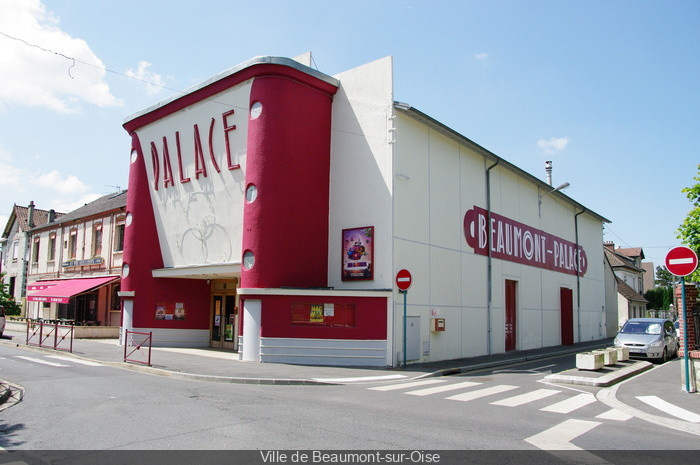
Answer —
606 90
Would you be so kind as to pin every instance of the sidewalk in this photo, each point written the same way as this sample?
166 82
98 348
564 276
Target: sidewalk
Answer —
658 396
224 366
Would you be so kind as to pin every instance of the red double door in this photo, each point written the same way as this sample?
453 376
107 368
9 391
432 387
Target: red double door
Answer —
511 305
511 313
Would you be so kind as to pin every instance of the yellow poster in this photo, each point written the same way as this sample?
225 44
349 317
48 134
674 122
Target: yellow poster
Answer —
316 314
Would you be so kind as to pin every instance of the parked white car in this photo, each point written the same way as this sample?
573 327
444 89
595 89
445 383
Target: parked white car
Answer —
649 337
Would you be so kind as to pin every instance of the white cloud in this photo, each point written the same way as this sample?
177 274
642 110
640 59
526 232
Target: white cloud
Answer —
553 144
67 185
35 77
154 82
47 189
481 56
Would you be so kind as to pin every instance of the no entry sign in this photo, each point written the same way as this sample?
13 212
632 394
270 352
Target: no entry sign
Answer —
403 280
681 261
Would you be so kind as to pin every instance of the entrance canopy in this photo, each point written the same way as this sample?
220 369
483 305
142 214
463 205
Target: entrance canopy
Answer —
62 291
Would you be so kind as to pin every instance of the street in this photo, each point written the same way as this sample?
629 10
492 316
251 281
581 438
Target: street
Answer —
70 404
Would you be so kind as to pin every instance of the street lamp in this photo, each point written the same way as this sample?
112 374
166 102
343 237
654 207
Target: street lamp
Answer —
540 196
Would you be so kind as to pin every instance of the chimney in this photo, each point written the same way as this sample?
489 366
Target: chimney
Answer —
609 244
52 215
548 169
30 216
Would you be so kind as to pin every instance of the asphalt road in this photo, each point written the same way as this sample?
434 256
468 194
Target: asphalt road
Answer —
68 405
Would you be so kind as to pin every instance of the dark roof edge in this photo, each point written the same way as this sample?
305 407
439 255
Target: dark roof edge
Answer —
449 132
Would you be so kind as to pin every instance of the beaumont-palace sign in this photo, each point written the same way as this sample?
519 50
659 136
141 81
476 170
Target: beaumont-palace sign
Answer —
520 243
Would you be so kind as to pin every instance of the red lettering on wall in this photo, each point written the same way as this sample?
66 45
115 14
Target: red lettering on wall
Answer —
183 179
211 146
167 170
228 129
156 165
199 166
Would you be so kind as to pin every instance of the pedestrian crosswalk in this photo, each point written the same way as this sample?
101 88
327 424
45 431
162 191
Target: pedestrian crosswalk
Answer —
57 361
560 401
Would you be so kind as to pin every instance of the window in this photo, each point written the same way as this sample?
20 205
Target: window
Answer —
35 251
52 247
116 302
97 240
15 250
119 238
72 244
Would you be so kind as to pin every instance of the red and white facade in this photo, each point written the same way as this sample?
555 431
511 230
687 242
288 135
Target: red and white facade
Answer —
270 208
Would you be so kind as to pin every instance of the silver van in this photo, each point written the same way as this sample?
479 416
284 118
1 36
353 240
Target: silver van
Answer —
649 337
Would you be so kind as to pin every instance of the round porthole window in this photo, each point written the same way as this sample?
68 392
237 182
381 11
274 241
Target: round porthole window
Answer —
129 219
255 110
125 270
134 156
248 260
251 193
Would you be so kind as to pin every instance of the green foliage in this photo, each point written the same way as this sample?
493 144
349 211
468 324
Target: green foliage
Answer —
689 231
7 301
664 278
656 298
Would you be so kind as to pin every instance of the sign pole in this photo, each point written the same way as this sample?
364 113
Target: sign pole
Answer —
686 360
404 327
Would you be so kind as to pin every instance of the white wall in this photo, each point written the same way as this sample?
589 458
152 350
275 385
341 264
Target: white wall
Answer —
360 173
201 221
436 180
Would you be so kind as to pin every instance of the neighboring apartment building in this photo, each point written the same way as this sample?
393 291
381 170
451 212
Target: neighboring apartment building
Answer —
14 246
649 281
74 264
627 265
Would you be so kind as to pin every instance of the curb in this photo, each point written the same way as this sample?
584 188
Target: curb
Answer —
177 374
603 381
485 365
5 392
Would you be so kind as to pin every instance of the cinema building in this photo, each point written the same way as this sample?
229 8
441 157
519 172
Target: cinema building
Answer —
270 208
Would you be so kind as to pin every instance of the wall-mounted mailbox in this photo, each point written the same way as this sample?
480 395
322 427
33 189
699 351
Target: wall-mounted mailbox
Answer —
437 324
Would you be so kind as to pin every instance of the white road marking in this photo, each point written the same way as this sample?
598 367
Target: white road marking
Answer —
43 362
571 404
614 414
526 398
354 380
557 441
392 387
438 389
671 409
76 360
467 396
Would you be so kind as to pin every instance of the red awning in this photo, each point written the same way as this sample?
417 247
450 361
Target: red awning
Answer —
41 285
62 291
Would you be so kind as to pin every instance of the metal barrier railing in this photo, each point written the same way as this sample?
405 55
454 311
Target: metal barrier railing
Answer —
52 335
141 345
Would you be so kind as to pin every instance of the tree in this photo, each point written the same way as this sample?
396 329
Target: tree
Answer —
664 278
7 301
689 231
655 298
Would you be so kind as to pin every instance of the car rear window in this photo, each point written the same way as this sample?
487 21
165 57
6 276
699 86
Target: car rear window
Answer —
641 327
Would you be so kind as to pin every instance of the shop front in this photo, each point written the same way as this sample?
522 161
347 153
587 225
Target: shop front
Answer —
82 301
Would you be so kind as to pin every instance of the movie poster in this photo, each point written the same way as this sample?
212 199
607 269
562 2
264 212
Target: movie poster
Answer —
358 254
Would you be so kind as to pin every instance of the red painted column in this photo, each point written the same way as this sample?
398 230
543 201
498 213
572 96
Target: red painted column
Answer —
288 161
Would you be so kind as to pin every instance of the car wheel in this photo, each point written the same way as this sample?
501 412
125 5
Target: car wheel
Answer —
664 356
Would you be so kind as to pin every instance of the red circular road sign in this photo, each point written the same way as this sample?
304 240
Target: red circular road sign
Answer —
403 280
681 261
